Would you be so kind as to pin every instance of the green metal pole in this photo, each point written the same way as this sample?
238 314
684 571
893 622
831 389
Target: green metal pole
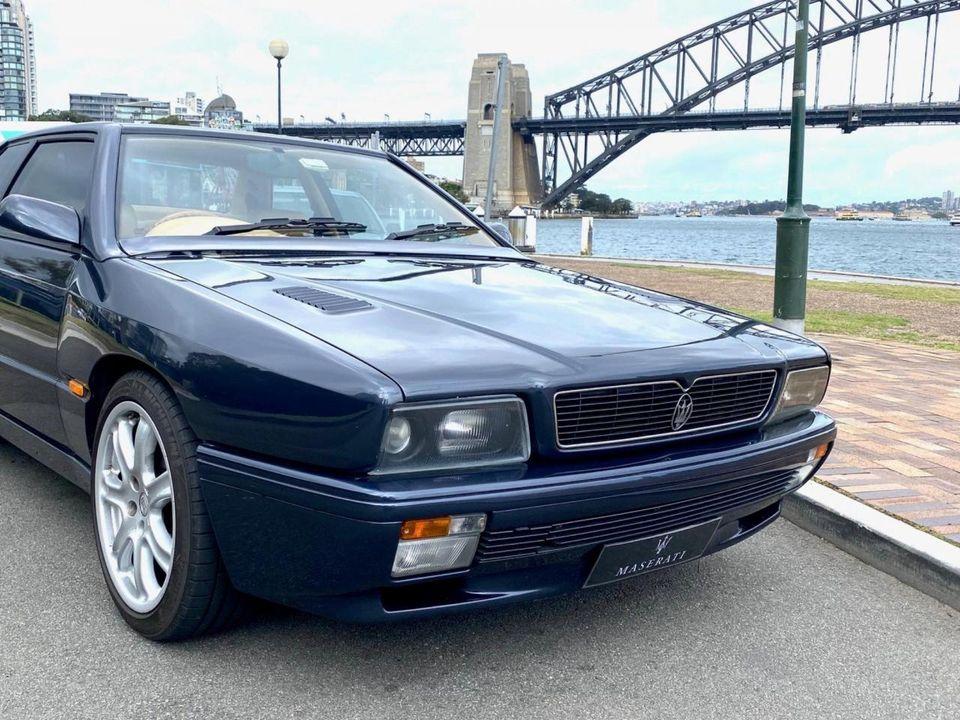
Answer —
793 227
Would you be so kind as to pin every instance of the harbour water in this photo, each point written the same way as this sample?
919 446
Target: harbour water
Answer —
921 249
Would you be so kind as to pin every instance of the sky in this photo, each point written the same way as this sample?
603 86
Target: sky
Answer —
407 58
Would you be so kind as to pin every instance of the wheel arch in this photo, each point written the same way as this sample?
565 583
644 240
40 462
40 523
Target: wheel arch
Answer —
103 375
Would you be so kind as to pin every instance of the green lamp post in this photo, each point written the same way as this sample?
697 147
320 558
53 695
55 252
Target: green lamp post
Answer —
793 227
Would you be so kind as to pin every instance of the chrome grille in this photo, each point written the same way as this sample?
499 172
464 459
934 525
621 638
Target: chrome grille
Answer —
627 413
633 524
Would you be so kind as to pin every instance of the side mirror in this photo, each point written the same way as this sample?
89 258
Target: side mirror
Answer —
39 219
502 230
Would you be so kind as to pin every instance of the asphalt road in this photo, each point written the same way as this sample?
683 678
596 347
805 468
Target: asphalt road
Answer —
783 625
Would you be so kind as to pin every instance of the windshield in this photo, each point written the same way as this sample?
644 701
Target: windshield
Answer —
194 186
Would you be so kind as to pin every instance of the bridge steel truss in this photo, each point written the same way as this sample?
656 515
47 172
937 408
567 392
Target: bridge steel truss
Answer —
442 141
845 117
738 48
413 139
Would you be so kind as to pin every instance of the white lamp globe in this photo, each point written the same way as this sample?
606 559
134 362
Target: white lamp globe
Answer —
279 49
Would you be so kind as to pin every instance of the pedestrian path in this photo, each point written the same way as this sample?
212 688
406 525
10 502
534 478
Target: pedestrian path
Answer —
898 447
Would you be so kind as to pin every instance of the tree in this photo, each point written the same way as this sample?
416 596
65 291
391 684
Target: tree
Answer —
52 115
455 189
169 120
601 204
595 202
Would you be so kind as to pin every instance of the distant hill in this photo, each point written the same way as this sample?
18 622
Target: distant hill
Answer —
766 207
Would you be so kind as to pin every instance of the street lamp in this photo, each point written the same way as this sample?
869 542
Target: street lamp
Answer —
279 49
793 227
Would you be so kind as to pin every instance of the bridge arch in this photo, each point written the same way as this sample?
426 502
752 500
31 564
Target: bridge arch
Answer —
831 21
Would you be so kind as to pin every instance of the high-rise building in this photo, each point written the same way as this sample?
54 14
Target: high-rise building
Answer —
949 200
189 108
18 62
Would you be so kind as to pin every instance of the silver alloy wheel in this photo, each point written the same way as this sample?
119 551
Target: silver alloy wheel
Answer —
134 505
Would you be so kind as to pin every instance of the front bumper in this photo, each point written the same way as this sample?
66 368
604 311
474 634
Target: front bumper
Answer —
326 544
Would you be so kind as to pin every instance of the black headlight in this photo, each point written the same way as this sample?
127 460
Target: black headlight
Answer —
803 390
455 434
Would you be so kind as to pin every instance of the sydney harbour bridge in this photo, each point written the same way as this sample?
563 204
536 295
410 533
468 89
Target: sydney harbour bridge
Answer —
703 81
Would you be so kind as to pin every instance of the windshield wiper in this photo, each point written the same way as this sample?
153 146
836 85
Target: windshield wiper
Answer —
319 226
437 231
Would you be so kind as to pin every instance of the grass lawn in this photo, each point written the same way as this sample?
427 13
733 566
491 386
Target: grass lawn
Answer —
914 314
915 293
868 325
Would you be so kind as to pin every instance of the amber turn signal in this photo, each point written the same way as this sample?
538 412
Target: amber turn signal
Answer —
77 388
421 529
821 452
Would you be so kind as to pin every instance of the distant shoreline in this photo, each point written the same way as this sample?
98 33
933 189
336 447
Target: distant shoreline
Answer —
814 215
595 216
827 275
923 249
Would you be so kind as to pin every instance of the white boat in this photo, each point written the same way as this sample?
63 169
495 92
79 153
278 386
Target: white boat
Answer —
955 219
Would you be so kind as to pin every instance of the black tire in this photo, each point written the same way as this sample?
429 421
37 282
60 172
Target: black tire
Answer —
198 597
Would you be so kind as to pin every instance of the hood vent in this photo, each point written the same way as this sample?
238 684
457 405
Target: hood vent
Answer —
328 302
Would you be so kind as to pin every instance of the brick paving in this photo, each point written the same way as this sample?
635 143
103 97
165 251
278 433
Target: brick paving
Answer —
898 446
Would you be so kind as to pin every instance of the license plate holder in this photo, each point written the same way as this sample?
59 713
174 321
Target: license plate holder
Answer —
619 561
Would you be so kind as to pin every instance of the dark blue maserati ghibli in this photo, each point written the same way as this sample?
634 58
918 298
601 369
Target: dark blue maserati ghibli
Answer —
301 372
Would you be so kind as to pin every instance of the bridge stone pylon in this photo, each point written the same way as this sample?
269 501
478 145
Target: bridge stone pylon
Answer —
517 178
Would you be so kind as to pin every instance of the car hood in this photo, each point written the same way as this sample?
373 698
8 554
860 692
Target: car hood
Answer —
436 324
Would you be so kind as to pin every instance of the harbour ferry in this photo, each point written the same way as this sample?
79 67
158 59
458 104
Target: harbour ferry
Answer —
955 219
849 216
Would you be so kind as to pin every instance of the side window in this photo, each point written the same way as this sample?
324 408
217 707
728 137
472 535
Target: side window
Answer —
11 158
59 172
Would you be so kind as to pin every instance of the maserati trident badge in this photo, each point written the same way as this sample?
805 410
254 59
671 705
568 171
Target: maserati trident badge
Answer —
663 542
682 412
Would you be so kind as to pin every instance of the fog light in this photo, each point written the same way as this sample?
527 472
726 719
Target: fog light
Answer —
804 472
437 544
416 557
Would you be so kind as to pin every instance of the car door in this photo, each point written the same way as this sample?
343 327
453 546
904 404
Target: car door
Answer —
34 276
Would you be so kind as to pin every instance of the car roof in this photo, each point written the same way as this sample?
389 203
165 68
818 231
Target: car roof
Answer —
186 131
